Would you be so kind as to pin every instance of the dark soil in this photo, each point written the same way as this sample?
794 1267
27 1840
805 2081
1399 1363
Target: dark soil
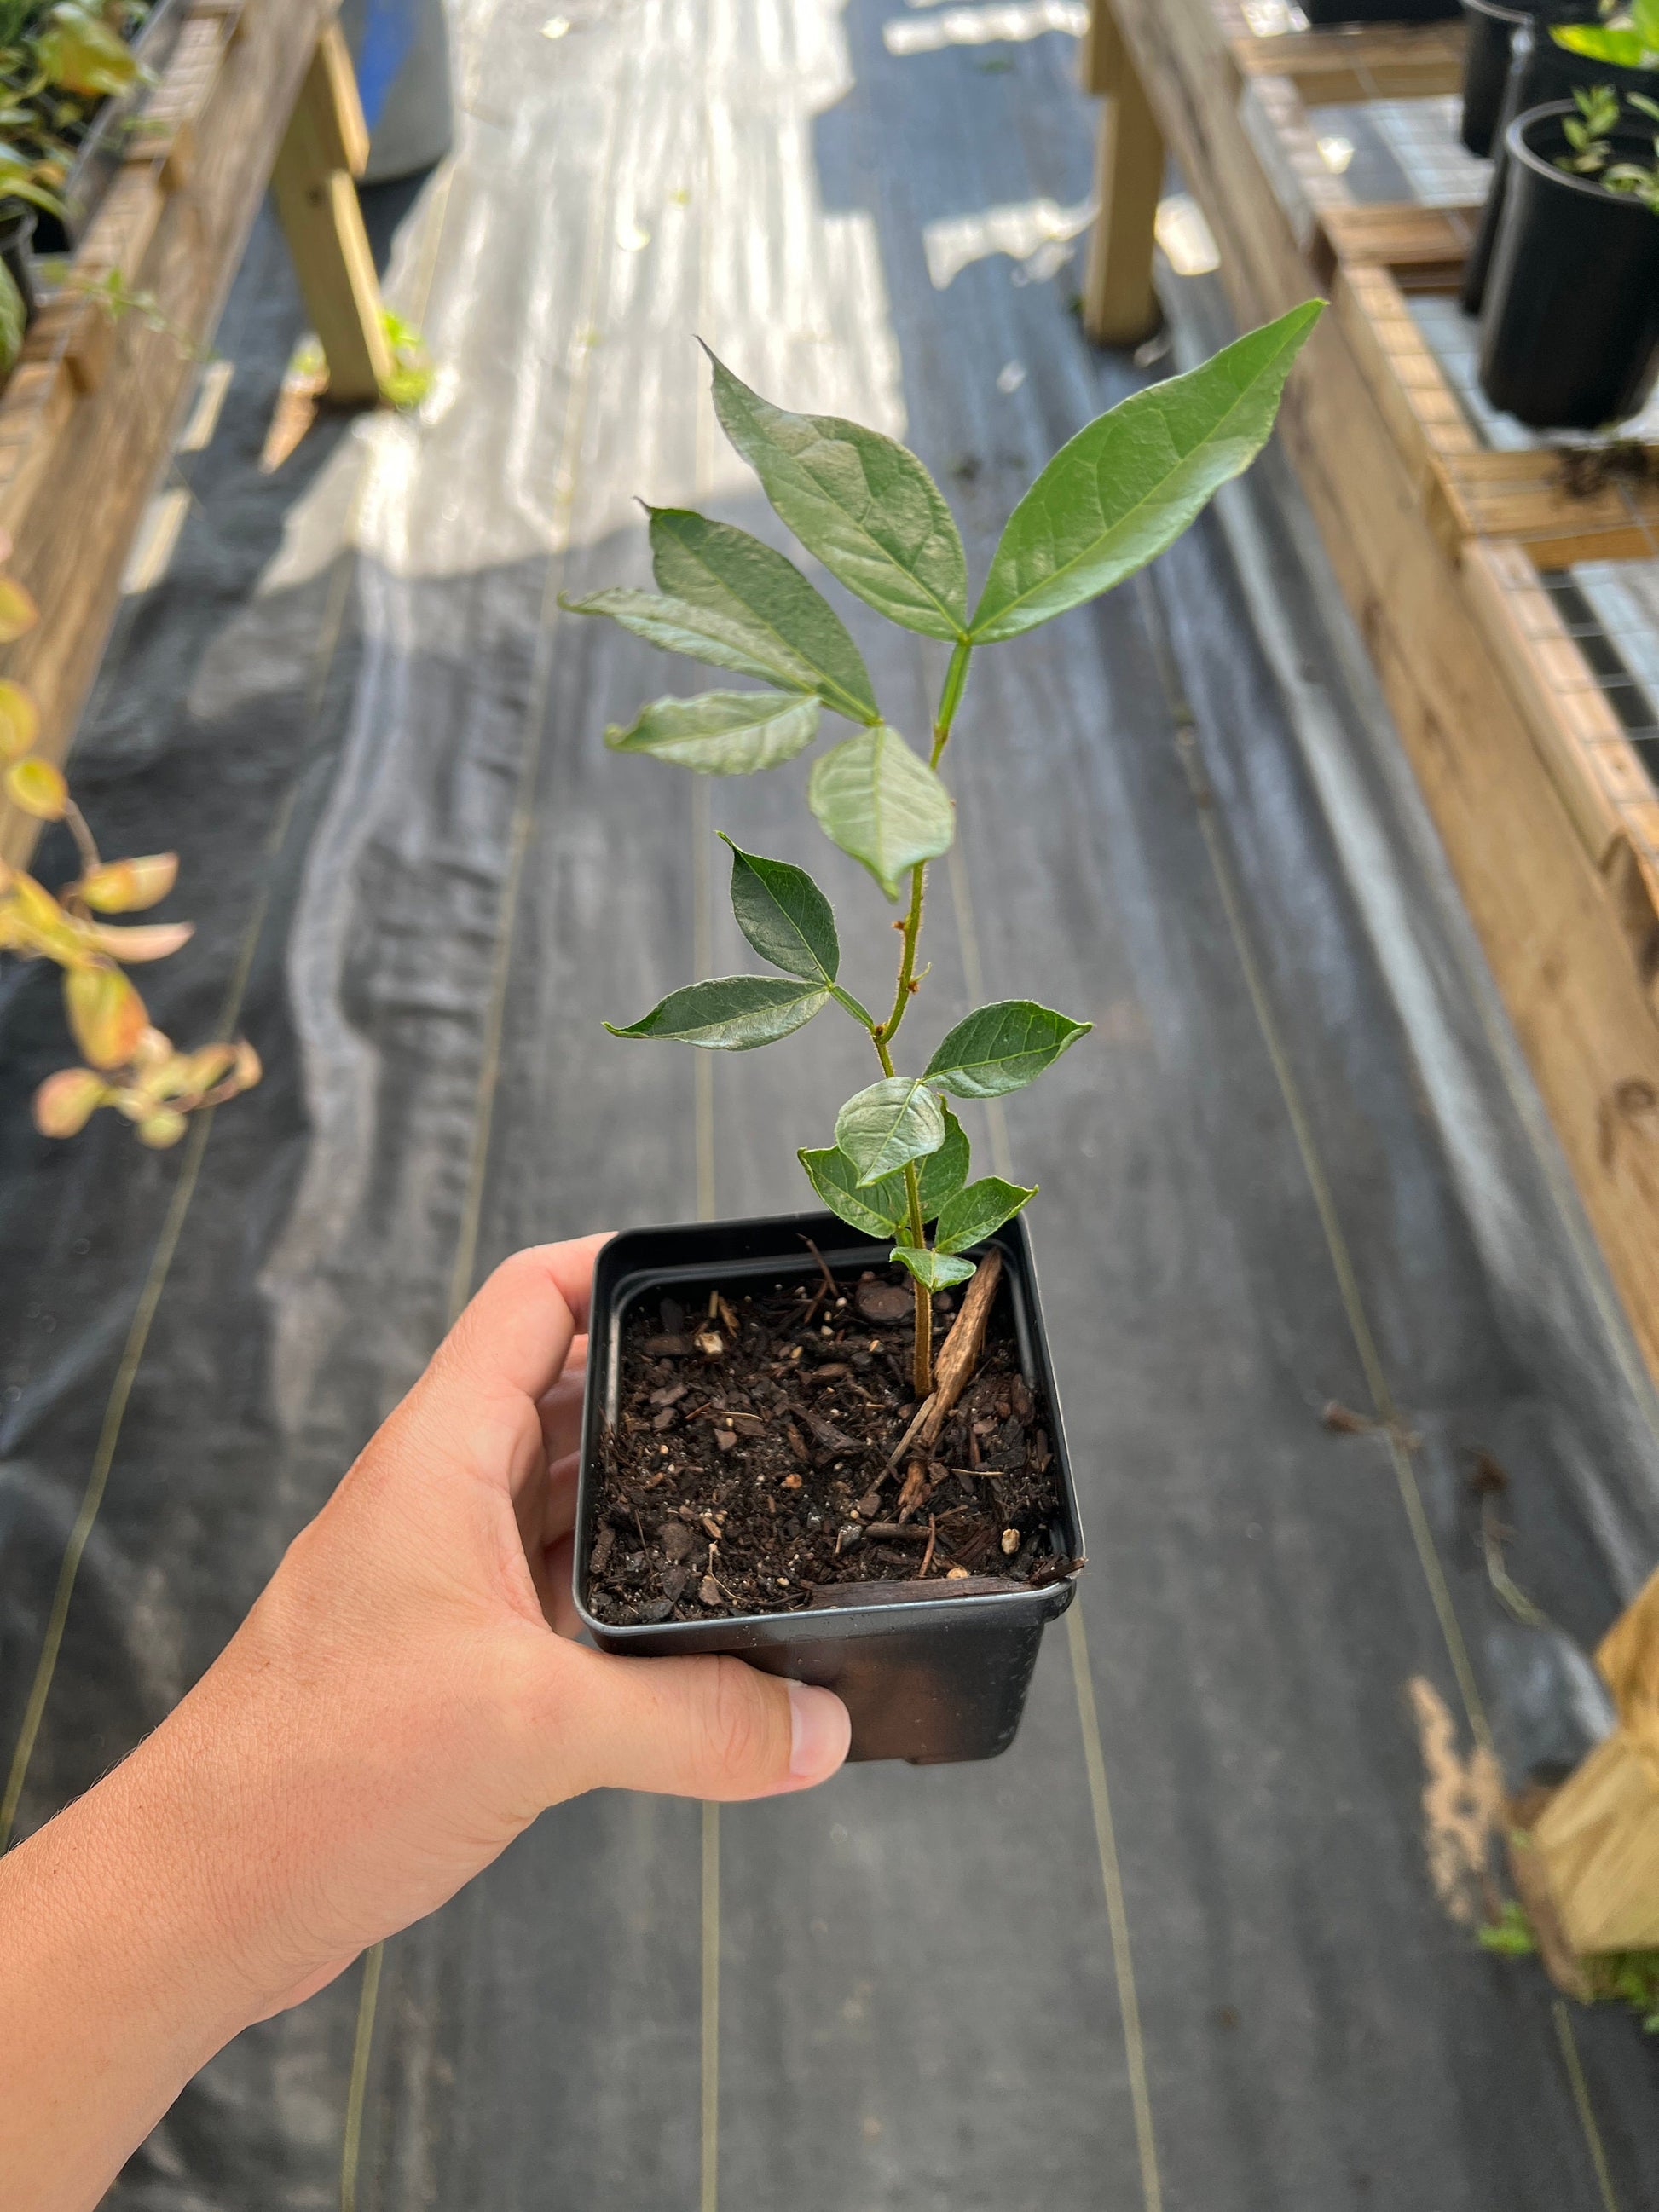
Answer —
748 1467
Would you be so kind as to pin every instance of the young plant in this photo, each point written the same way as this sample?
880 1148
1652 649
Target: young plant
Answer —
135 1068
1589 135
1627 36
1113 498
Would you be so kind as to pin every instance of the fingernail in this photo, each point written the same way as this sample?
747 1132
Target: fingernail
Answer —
819 1732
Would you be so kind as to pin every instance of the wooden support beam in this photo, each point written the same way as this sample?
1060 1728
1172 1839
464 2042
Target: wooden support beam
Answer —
1119 306
317 201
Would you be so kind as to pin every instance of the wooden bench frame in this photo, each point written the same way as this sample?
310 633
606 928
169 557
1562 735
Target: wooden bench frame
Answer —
1439 547
258 91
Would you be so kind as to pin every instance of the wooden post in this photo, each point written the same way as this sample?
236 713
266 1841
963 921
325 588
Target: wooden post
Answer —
1120 306
324 149
1599 1835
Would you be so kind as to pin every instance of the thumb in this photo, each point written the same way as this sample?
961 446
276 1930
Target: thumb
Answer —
694 1728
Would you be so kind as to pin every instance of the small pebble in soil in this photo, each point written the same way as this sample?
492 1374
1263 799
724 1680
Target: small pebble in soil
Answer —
1009 1543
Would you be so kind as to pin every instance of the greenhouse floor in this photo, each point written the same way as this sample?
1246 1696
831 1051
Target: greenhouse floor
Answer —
1180 1948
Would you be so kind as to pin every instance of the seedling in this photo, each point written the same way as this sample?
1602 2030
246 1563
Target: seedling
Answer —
1589 135
1117 495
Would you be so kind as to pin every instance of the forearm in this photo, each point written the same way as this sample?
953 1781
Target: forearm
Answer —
121 1973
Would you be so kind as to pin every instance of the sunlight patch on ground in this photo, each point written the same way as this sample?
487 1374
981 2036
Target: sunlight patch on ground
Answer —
1005 21
1022 229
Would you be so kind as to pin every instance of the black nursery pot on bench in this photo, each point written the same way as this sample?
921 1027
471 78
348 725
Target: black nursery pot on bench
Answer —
927 1676
1570 338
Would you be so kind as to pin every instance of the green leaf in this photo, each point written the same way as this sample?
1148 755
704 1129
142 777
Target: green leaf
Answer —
879 1210
1130 482
701 633
878 801
863 504
944 1172
785 916
14 321
894 1121
711 564
720 732
973 1214
934 1271
730 1013
1598 42
1001 1047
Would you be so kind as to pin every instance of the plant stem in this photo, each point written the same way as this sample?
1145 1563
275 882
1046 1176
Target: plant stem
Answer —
956 678
84 845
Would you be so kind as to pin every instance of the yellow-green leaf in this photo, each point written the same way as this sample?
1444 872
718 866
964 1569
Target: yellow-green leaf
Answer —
154 940
20 722
105 1014
127 886
162 1129
38 788
66 1102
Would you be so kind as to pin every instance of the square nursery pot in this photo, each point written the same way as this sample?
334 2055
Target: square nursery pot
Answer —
927 1675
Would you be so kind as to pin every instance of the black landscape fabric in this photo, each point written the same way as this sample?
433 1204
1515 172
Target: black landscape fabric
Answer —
1297 1163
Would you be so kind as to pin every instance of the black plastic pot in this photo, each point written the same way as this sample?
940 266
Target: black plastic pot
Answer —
1541 74
1486 69
1569 339
16 235
99 157
927 1676
1378 11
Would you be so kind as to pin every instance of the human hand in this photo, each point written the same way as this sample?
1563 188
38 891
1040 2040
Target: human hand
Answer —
396 1708
414 1709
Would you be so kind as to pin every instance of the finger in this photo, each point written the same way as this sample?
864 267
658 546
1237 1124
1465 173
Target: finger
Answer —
561 1409
571 1264
516 1332
559 1516
558 1601
694 1728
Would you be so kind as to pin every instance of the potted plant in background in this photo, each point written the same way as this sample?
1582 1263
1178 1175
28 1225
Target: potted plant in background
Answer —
1570 338
1490 26
1552 60
831 1442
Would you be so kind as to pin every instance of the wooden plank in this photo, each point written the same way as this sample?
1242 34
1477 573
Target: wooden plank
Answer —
1430 244
77 465
317 201
1527 496
1540 903
1360 61
1119 306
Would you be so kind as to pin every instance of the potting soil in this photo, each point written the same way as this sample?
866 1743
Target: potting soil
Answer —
1307 1248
